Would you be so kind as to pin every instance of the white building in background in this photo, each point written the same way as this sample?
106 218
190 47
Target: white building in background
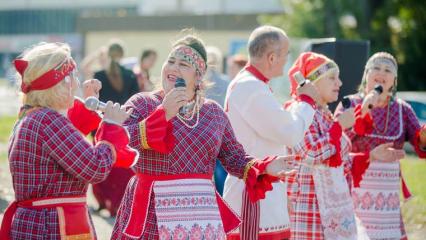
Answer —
199 7
153 7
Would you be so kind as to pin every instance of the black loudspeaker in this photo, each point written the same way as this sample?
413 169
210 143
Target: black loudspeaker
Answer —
351 57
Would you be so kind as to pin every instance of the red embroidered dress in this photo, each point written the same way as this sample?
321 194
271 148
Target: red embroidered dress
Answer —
377 198
191 161
51 165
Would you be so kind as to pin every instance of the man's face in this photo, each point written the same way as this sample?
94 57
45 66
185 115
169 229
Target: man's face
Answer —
280 58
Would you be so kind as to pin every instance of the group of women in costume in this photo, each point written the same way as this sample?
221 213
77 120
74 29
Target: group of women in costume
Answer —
344 179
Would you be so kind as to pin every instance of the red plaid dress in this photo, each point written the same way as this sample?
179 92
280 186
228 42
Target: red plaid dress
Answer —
48 157
408 132
315 149
195 151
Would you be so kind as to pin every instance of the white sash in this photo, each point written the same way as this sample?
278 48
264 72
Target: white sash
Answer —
334 202
187 209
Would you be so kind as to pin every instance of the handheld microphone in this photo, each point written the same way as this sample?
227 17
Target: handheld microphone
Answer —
299 78
346 102
180 82
94 104
378 89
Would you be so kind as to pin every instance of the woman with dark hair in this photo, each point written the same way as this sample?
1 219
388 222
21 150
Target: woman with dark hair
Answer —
382 118
147 61
118 85
172 195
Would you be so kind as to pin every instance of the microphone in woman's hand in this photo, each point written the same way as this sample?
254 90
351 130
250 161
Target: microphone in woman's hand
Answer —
378 89
94 104
346 102
299 78
180 82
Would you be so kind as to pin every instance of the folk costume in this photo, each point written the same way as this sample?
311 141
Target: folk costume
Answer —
52 164
172 195
322 205
263 128
377 200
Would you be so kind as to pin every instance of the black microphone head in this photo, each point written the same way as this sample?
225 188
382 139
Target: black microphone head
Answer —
346 102
91 103
180 82
378 88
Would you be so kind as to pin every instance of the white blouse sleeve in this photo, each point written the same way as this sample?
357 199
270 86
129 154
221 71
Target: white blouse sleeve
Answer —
260 109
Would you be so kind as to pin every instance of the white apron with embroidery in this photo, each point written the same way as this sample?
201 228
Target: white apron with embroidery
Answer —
187 209
377 201
334 203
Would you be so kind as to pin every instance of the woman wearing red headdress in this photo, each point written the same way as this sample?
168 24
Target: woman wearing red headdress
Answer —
50 160
319 192
382 118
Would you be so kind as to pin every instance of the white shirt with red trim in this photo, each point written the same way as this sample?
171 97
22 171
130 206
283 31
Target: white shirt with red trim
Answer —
264 128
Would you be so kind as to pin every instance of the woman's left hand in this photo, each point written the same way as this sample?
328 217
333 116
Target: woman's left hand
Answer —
279 167
91 88
422 136
386 153
347 118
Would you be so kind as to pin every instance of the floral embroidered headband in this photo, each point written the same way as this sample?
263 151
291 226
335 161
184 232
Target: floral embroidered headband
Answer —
382 60
193 57
321 70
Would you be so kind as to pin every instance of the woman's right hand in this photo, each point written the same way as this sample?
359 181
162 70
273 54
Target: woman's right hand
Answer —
173 101
386 153
91 88
114 113
371 99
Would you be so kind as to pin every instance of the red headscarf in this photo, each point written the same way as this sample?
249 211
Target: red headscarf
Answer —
312 66
48 79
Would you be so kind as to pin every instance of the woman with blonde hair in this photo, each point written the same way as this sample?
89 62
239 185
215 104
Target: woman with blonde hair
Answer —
172 195
382 118
50 160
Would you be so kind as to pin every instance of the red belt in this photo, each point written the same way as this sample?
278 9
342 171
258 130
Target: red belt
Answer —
69 208
135 225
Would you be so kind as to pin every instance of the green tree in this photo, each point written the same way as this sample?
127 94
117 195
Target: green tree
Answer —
395 26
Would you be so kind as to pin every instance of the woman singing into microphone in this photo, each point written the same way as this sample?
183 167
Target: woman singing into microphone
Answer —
172 195
319 192
50 160
391 120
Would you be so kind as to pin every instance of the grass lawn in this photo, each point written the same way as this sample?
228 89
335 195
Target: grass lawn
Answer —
414 210
6 124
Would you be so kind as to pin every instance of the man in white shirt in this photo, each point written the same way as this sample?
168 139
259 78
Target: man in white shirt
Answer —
264 128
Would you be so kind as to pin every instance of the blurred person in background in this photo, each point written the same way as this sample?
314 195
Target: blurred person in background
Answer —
216 91
382 118
142 72
50 160
219 81
235 64
118 85
98 58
